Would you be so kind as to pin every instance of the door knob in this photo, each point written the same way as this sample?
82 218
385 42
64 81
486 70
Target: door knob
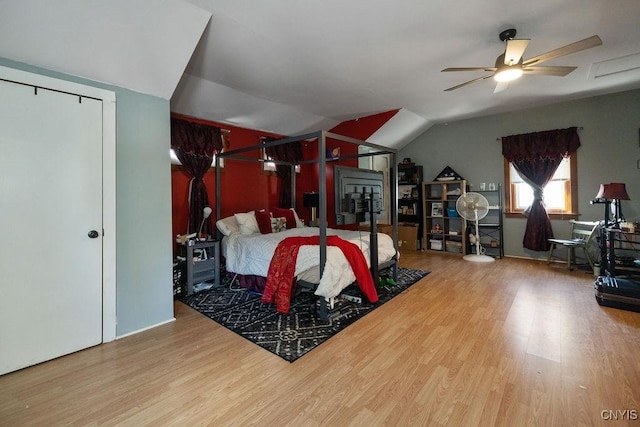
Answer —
93 234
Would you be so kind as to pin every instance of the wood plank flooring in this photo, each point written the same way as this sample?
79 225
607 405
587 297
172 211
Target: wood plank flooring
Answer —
515 342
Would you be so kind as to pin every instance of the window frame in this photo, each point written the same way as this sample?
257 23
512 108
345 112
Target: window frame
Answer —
512 212
267 169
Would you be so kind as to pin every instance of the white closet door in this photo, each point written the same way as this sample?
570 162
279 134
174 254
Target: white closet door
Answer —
50 199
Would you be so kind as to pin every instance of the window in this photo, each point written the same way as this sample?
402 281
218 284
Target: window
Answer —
269 166
560 194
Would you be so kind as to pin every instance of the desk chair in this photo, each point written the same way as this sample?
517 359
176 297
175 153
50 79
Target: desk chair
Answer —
582 235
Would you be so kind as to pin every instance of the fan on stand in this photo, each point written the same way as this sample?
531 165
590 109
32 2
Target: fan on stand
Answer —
473 207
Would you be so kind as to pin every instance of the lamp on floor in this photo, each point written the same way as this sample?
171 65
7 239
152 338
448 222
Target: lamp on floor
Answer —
617 192
611 194
311 201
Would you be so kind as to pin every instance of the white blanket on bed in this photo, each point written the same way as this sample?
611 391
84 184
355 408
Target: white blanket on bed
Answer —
251 254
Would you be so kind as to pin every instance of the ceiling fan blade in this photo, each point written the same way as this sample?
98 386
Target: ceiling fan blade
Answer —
500 86
468 83
515 49
469 69
558 71
587 43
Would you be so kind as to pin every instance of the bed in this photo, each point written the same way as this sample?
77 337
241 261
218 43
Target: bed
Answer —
248 251
321 264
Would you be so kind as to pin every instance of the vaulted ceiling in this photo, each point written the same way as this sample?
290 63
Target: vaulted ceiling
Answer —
292 67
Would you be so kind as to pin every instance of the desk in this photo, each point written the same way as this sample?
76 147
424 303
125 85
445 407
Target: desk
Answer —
622 250
198 269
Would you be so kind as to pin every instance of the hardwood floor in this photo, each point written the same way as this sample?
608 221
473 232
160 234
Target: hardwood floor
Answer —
509 343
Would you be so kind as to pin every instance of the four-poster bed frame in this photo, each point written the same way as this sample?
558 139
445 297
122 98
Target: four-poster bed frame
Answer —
321 137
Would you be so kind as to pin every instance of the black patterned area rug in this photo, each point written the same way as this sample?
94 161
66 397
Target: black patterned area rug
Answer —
291 335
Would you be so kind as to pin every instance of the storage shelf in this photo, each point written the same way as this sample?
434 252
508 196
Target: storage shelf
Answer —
410 184
619 253
437 200
490 227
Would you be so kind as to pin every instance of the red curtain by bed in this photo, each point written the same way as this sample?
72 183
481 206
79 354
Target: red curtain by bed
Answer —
291 152
195 145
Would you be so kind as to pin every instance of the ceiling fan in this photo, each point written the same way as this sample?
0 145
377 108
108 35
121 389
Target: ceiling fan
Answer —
510 65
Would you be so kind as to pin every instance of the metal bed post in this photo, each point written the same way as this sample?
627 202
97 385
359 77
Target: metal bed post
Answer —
322 191
293 185
393 205
218 188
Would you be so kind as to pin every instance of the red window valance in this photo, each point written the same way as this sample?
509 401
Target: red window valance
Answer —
196 138
549 144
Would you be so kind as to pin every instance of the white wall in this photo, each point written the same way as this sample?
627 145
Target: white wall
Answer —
609 153
143 212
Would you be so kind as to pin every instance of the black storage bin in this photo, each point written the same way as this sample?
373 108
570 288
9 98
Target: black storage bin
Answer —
618 293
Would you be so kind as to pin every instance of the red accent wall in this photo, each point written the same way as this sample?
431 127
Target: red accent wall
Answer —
364 127
245 187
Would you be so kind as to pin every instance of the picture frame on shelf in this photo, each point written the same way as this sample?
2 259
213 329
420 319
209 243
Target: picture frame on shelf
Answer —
333 153
436 209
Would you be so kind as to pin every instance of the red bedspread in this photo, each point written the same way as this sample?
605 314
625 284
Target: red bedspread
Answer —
283 264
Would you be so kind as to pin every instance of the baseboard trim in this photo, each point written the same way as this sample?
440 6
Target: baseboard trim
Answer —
173 319
541 259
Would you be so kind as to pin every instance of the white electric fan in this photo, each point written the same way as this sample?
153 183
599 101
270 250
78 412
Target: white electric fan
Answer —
473 207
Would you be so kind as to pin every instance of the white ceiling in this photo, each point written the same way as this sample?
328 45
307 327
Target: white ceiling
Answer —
291 67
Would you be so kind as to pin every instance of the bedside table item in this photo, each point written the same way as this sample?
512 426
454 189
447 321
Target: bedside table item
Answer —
311 201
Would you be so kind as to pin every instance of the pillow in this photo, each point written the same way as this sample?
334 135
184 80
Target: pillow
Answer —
228 225
247 222
278 224
263 218
289 214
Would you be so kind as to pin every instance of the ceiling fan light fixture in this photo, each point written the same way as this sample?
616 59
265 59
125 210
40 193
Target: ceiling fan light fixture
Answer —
507 74
511 65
